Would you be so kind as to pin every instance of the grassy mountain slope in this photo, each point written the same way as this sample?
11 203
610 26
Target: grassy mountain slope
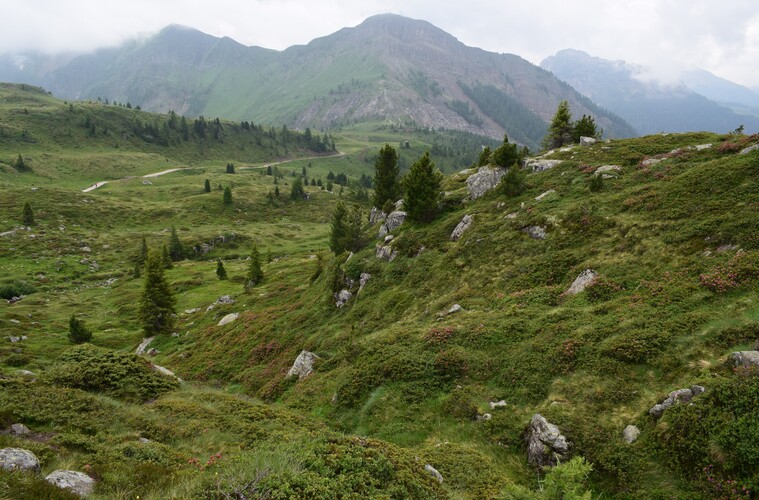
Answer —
675 244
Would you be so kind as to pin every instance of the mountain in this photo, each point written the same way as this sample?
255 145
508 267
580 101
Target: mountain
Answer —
740 99
648 106
389 68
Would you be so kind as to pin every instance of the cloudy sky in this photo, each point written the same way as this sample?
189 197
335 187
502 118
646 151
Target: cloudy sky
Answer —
720 36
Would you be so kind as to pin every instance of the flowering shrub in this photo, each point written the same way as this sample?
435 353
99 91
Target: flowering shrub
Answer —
439 335
724 488
720 280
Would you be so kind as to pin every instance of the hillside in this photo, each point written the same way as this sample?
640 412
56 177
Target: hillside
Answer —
652 107
403 379
388 69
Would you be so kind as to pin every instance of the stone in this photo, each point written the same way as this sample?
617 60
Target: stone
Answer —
393 221
608 168
143 346
744 358
581 282
536 232
376 215
146 183
342 297
13 339
461 227
455 308
630 434
152 351
726 248
545 444
19 429
86 249
650 161
18 459
543 195
228 318
749 149
484 417
386 252
540 165
399 204
303 365
192 311
587 141
143 440
78 483
433 472
701 147
497 404
486 179
389 238
363 280
26 374
225 299
165 371
675 397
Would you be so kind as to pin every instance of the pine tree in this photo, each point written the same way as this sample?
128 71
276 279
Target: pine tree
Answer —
422 185
141 258
484 158
176 250
338 228
230 168
220 271
227 196
255 273
276 191
19 164
207 186
560 131
157 304
78 333
296 191
514 182
166 257
386 176
584 127
506 154
28 215
268 170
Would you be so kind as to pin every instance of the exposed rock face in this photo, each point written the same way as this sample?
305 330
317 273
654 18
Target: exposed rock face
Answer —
18 459
545 444
744 358
376 215
486 179
392 222
225 299
582 281
342 297
630 434
386 252
539 165
587 141
608 168
433 472
749 149
543 195
228 318
650 161
536 232
363 280
143 346
461 227
76 482
303 365
684 395
165 371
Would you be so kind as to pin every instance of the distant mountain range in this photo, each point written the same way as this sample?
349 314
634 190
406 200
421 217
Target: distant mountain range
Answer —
700 101
389 68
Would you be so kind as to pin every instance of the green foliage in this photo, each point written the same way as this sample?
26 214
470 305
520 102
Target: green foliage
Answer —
484 157
255 272
422 186
176 250
207 186
27 217
514 182
230 168
16 288
386 177
506 154
78 333
227 197
346 229
157 304
221 273
20 164
560 130
596 183
166 257
296 190
584 127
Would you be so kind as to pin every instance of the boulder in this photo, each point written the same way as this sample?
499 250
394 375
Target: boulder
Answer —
143 346
630 434
19 429
165 371
650 161
386 252
228 318
342 297
86 249
581 282
536 232
486 179
744 358
540 165
303 365
497 404
376 215
543 195
363 280
76 482
153 351
455 308
677 396
18 459
587 141
545 444
608 168
26 374
433 472
393 221
192 311
701 147
225 299
461 227
749 149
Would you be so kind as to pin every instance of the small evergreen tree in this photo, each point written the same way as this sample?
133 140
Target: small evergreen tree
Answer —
176 250
484 158
28 215
506 154
207 186
255 273
338 228
20 164
230 168
276 191
596 183
386 176
514 182
422 186
268 170
78 333
296 191
560 130
157 303
221 273
166 257
329 186
584 127
227 196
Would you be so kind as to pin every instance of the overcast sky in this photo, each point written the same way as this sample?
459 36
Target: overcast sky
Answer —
720 36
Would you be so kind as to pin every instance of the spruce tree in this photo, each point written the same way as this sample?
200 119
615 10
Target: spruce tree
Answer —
166 257
78 333
560 131
255 273
296 191
422 186
506 154
584 127
386 176
176 250
230 168
227 196
19 164
276 191
338 229
157 304
28 215
207 186
220 271
514 182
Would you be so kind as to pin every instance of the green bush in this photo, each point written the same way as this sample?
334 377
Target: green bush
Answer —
78 333
16 288
636 345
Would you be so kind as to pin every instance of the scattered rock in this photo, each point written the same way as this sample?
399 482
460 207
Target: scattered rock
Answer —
744 358
86 249
19 429
26 374
497 404
146 183
512 215
433 472
389 238
701 147
143 345
342 297
18 459
228 318
225 299
484 417
77 482
749 149
393 221
303 365
14 339
386 252
581 282
587 141
630 434
545 444
363 280
455 308
165 371
684 395
153 351
486 179
726 248
536 232
461 227
608 168
540 165
192 311
650 161
547 193
376 215
143 440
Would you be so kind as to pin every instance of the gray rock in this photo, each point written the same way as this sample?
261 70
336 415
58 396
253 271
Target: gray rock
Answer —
376 215
363 280
393 221
192 311
587 141
143 440
749 149
433 472
675 397
143 346
543 195
303 365
399 204
19 429
389 238
726 248
582 281
386 252
165 371
744 358
225 299
342 297
536 232
650 161
540 165
18 459
152 351
77 482
455 308
228 318
497 404
461 227
608 168
630 434
486 179
86 249
26 374
14 340
545 444
701 147
484 417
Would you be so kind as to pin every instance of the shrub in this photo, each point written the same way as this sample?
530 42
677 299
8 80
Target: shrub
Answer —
16 288
601 289
78 333
460 405
636 346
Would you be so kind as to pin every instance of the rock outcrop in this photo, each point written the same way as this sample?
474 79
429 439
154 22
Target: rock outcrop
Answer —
581 282
543 195
630 434
362 281
461 227
18 459
303 365
539 165
19 429
587 141
386 252
76 482
342 297
433 472
536 232
744 358
749 149
228 318
680 395
376 215
393 221
143 346
486 179
545 444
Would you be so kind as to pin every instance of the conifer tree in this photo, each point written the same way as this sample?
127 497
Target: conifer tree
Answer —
560 131
276 191
207 186
230 168
28 215
78 333
386 176
157 304
584 127
227 196
338 229
255 273
514 182
422 186
220 271
166 257
176 250
506 154
268 170
296 191
20 164
141 258
484 158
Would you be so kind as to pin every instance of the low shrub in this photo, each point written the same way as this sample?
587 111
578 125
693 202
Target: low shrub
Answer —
16 288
